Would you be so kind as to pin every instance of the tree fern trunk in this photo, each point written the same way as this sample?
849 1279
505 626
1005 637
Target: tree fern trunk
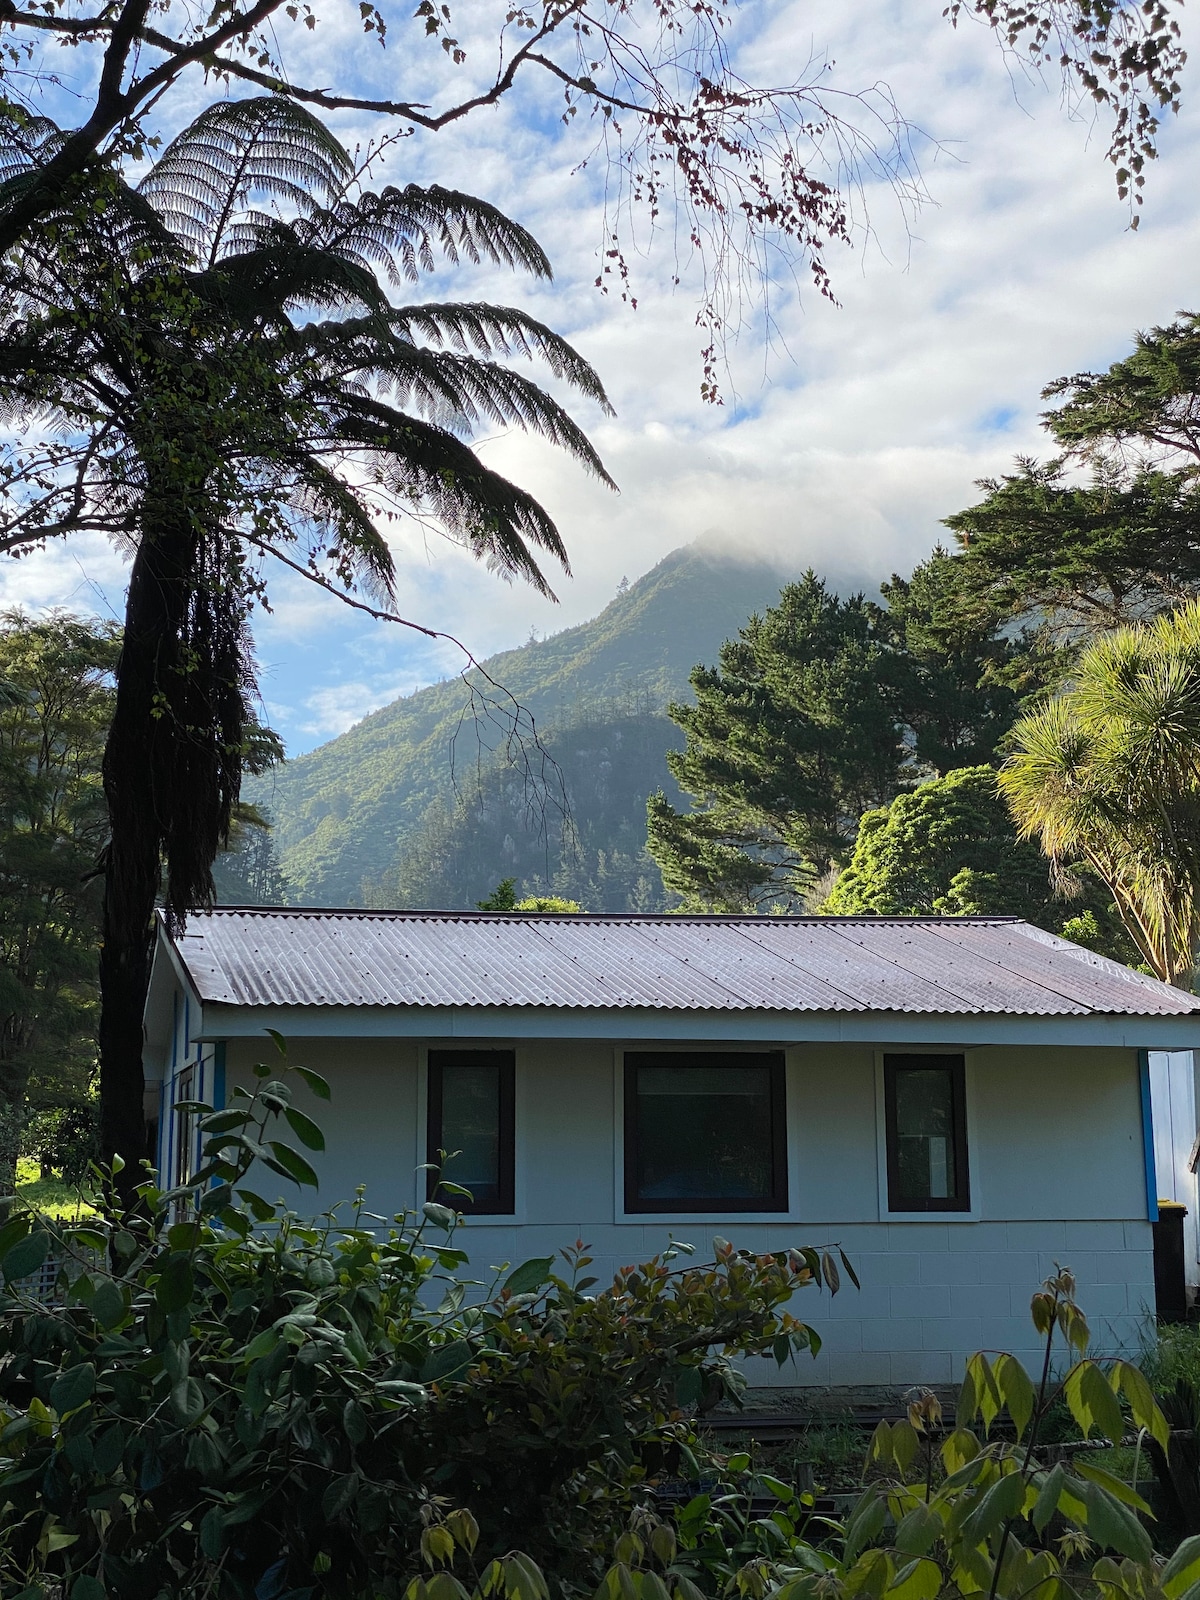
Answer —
133 864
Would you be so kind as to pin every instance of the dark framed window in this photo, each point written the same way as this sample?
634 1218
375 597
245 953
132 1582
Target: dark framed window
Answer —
925 1107
471 1095
185 1127
705 1131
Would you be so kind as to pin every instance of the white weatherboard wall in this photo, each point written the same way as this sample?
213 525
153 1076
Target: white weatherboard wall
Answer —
1056 1164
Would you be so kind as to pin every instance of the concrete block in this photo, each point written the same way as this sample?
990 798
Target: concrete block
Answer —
1020 1269
954 1267
921 1237
892 1267
912 1367
1104 1236
990 1301
1041 1235
971 1237
892 1334
1138 1236
960 1335
932 1300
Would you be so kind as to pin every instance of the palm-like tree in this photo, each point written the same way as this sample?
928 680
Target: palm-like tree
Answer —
1108 774
211 369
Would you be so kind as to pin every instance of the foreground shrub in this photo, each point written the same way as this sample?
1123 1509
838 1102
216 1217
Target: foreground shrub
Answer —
239 1403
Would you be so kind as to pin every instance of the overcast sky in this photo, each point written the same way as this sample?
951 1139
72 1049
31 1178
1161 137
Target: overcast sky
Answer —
843 446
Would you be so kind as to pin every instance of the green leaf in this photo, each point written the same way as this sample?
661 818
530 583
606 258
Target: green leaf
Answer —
920 1580
340 1494
305 1129
108 1303
26 1256
354 1422
87 1587
212 1533
917 1531
74 1388
849 1270
175 1285
1182 1570
277 1040
262 1210
1118 1489
292 1164
187 1397
1113 1526
1092 1402
446 1360
1016 1390
865 1523
530 1275
315 1082
1046 1503
1142 1404
999 1504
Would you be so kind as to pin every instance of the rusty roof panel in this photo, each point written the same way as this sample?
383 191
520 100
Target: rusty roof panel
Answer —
262 956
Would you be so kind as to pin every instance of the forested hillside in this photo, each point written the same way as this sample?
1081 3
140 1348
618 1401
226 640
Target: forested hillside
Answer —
413 805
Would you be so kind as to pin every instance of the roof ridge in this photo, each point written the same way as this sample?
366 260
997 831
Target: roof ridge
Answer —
668 917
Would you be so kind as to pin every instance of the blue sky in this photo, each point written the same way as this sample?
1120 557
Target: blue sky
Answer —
842 446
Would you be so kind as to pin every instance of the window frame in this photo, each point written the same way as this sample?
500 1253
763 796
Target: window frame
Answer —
776 1203
436 1060
955 1064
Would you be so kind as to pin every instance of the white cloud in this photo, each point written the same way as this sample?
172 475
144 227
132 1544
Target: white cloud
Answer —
844 449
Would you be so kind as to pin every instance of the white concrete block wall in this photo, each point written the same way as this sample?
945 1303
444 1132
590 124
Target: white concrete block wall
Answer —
1057 1176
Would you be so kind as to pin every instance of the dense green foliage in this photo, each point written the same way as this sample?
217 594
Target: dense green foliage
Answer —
814 715
951 848
239 1410
53 827
1108 775
378 804
1077 556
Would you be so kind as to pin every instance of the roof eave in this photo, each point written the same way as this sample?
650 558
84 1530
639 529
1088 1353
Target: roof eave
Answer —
618 1024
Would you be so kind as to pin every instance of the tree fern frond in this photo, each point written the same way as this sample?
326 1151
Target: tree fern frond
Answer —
427 465
268 145
356 547
400 228
501 330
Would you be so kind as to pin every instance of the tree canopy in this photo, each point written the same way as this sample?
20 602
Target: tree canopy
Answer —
1107 532
1108 774
822 709
53 825
951 848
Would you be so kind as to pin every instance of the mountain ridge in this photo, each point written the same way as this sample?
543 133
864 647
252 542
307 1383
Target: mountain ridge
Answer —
345 812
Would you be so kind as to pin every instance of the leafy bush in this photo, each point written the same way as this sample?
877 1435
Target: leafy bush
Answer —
946 1517
250 1404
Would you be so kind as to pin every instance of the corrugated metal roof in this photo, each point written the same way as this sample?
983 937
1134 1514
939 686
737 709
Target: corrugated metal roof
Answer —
927 965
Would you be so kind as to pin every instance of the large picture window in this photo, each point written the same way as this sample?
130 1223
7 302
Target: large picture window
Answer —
705 1132
471 1119
926 1119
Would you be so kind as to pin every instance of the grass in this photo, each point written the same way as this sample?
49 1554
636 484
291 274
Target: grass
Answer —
1174 1356
53 1197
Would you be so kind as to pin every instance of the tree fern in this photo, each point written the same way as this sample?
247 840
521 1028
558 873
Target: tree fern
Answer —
211 368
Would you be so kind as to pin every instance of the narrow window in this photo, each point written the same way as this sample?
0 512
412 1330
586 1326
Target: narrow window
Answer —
926 1117
705 1132
471 1118
185 1127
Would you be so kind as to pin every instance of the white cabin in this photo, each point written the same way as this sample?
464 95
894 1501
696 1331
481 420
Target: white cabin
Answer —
959 1103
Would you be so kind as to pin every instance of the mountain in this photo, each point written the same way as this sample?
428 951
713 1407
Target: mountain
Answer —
434 798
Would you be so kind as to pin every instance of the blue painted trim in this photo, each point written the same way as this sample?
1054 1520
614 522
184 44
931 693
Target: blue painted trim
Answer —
218 1099
1148 1136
